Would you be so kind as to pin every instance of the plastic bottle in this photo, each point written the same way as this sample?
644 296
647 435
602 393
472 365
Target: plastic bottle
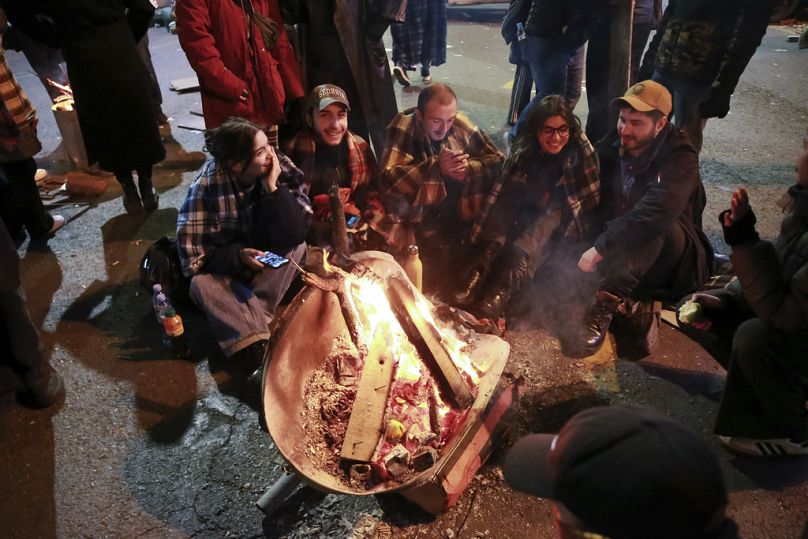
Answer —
413 267
520 32
161 303
172 323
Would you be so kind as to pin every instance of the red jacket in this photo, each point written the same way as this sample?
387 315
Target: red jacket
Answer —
213 34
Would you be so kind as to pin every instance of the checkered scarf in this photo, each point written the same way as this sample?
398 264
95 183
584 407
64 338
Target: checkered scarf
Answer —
581 185
361 163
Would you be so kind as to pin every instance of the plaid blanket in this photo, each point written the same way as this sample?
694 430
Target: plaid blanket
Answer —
361 163
410 172
216 213
581 185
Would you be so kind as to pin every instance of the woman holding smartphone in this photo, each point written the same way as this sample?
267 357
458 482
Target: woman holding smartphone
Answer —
546 194
237 209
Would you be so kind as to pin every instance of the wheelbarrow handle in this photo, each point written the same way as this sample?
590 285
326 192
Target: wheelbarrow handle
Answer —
278 492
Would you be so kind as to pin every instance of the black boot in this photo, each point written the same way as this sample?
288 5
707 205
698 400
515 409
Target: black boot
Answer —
596 325
147 193
131 199
476 274
504 285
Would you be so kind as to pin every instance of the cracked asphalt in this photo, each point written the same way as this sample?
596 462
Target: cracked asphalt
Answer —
149 446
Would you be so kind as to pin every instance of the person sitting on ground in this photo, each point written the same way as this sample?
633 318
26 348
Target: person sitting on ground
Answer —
330 154
436 169
652 246
237 208
548 192
624 472
758 328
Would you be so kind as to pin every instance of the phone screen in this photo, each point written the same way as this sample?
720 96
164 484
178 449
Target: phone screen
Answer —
271 259
351 221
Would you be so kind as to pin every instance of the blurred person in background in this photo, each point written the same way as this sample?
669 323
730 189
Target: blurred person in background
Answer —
109 81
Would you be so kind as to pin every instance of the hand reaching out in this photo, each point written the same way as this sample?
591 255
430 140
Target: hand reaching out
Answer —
739 207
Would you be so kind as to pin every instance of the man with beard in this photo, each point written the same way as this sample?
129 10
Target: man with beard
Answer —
436 169
329 154
652 245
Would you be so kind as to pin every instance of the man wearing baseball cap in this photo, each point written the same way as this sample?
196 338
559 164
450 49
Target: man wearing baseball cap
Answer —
651 246
329 154
624 472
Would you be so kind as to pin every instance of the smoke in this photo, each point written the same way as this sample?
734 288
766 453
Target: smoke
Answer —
559 296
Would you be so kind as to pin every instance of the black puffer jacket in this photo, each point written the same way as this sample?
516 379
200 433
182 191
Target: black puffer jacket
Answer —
667 189
570 20
707 41
774 278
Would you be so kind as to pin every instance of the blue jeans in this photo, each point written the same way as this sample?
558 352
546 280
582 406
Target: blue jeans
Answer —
556 69
239 313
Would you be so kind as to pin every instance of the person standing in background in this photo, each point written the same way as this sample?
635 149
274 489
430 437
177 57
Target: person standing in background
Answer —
420 39
342 45
20 203
110 84
243 58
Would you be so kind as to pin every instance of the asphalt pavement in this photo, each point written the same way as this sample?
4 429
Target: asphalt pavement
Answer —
145 445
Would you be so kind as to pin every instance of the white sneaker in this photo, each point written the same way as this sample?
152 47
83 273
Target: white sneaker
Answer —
58 222
766 448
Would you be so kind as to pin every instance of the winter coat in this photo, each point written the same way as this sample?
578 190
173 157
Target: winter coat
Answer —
109 81
569 21
339 49
667 189
707 42
228 53
773 279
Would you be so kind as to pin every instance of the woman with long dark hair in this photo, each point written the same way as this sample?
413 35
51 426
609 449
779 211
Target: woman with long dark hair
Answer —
547 192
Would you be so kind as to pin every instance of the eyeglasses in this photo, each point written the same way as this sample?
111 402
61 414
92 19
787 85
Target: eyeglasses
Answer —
563 131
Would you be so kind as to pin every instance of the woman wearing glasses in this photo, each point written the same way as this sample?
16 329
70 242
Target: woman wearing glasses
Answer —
547 192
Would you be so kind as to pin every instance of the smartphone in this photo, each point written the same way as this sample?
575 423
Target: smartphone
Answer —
271 259
351 220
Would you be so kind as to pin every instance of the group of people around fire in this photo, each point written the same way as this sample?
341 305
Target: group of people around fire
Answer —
622 215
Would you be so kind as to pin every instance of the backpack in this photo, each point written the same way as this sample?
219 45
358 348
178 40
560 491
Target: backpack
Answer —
161 265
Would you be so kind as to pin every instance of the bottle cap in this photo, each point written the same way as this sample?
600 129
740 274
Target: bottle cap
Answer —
412 249
168 313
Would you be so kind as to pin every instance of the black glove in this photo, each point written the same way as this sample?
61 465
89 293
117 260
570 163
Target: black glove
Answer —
740 231
715 106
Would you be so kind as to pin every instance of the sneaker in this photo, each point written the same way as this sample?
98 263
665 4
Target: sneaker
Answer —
426 76
401 76
765 448
58 222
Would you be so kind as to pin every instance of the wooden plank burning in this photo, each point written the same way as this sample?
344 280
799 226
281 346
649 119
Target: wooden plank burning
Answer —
367 418
427 341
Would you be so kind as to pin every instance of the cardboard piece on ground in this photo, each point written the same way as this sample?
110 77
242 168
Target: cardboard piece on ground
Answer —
189 84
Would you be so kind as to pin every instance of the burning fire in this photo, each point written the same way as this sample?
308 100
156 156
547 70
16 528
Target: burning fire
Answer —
417 421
